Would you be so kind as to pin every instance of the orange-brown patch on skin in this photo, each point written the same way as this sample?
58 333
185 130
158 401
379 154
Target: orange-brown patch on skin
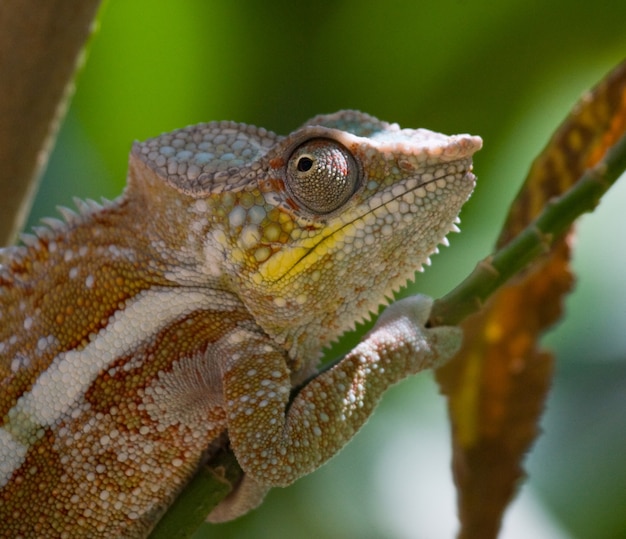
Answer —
23 492
292 204
272 185
277 162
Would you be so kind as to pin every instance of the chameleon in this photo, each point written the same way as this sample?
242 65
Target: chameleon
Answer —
138 335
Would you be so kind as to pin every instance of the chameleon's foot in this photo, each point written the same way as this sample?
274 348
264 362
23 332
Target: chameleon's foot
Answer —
404 321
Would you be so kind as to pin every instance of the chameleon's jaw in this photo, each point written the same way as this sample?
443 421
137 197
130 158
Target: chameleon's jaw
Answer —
404 221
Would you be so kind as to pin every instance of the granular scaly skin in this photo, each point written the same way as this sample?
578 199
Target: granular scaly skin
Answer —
133 335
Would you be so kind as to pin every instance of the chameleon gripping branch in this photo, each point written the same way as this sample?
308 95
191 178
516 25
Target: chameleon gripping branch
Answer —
134 335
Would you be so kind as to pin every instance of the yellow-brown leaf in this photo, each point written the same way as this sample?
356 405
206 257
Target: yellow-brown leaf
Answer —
498 383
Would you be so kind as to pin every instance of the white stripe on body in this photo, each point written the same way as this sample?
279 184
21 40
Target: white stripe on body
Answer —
71 373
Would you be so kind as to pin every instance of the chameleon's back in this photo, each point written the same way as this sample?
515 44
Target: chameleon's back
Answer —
85 335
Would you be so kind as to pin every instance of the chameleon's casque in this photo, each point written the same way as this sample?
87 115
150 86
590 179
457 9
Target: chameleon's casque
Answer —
134 335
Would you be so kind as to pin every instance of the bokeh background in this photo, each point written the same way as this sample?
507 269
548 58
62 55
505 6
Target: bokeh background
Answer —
508 71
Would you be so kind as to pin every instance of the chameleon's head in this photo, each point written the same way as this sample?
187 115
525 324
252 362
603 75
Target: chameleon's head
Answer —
316 229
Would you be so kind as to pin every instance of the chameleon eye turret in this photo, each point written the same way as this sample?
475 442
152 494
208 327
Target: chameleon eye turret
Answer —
322 175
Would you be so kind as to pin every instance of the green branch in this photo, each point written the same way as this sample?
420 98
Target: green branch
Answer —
211 484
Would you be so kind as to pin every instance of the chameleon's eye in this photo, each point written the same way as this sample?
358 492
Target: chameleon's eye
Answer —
321 175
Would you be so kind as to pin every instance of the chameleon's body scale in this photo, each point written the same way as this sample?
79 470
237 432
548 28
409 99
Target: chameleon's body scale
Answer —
134 335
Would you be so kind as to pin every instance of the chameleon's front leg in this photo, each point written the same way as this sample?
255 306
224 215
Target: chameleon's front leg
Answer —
277 441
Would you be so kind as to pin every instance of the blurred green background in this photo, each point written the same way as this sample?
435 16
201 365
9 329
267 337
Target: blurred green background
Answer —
508 71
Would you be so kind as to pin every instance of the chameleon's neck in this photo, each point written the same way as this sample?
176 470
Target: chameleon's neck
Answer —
170 228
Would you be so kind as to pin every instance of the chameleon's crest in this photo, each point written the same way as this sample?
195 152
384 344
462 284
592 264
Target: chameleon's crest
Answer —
207 158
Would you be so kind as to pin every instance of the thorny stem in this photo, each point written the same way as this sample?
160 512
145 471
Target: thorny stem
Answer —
211 484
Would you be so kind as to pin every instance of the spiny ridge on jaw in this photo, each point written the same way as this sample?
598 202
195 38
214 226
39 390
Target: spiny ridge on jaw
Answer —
388 296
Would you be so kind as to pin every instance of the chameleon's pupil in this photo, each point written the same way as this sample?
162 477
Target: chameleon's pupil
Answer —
305 164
